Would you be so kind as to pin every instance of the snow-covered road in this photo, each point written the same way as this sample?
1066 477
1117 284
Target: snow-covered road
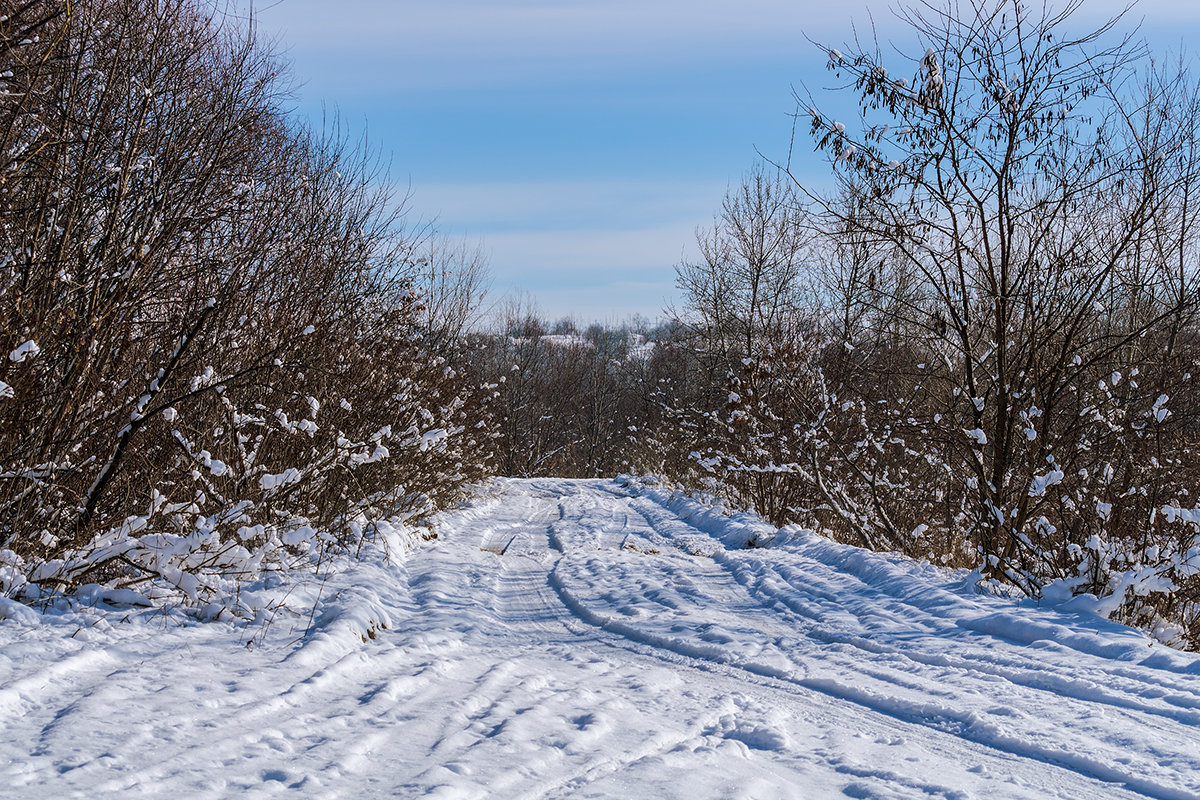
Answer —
569 639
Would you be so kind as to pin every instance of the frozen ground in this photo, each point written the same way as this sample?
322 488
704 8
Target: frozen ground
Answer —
571 639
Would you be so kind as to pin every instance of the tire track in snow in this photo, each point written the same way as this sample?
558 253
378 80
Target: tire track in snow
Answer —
753 573
962 720
803 689
542 587
967 725
467 604
1183 708
1048 684
627 639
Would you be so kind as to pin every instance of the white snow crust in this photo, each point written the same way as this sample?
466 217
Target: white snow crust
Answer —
577 639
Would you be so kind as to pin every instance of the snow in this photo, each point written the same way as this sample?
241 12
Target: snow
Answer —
24 351
563 340
1040 483
564 639
1159 410
978 435
287 477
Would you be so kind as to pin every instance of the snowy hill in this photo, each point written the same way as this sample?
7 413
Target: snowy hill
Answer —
596 639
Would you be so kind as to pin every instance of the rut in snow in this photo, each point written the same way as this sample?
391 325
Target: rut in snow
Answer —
596 639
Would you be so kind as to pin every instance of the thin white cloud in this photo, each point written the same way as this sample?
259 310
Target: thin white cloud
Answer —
545 24
414 44
611 303
571 257
567 203
591 274
376 47
602 26
583 248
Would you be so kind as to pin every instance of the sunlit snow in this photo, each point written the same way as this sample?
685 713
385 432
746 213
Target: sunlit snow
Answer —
564 639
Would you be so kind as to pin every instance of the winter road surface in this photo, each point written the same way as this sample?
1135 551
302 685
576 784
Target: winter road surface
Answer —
571 639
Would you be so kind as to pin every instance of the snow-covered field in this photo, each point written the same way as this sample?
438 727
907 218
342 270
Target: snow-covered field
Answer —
591 639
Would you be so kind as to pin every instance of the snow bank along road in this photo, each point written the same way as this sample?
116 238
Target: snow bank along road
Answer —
587 639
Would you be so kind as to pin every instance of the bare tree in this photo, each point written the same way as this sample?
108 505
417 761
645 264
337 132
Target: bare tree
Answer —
452 281
749 280
1034 233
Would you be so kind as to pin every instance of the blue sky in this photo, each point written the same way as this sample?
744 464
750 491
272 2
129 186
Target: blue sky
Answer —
582 141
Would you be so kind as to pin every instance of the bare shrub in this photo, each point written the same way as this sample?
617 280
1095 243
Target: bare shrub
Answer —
985 337
212 316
